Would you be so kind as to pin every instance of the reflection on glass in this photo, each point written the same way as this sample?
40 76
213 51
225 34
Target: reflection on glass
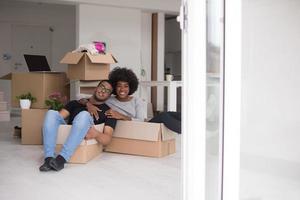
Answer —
213 137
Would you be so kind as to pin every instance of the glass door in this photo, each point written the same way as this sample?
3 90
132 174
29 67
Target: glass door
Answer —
203 50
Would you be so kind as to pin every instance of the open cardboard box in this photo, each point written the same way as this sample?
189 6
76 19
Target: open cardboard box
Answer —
87 150
39 84
85 66
142 138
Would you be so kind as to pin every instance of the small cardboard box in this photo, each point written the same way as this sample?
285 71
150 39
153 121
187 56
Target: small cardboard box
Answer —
142 138
85 66
32 123
87 150
4 116
3 106
39 84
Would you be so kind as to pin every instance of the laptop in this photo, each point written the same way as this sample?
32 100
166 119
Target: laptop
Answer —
37 63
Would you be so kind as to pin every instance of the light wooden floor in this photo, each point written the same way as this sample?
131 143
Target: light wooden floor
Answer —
108 177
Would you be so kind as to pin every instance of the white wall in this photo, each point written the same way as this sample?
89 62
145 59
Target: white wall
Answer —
270 79
120 28
60 17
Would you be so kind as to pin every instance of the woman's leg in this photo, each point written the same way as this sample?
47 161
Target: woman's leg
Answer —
81 124
172 120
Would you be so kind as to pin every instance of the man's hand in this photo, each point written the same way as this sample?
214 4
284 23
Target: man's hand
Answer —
93 110
116 115
92 133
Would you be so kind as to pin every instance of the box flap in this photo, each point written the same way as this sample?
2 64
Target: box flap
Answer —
71 58
137 130
102 58
167 134
64 130
7 76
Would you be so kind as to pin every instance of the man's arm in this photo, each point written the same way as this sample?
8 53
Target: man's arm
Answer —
103 138
93 110
116 115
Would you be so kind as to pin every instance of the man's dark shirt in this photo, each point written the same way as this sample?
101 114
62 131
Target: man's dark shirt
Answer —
74 107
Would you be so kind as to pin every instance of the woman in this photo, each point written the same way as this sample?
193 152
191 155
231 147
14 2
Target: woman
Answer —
124 106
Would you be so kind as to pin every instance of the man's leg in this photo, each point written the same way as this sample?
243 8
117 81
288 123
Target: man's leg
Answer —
81 124
50 128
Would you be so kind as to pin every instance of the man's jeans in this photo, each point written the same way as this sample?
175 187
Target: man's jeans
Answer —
81 124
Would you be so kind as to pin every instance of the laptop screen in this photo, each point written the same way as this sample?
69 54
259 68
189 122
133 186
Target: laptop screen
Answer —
36 63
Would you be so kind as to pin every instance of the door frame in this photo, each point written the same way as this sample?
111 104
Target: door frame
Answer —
194 93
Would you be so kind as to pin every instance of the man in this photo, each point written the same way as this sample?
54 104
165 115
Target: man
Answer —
82 127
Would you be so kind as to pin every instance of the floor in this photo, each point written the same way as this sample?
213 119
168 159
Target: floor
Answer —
109 176
268 179
115 176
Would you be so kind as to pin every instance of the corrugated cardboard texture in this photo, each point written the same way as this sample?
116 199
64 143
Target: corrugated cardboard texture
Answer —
141 147
32 122
102 58
84 153
87 150
39 84
142 131
71 58
142 138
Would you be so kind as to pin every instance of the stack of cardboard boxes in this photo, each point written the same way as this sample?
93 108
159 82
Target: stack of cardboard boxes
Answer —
4 113
40 85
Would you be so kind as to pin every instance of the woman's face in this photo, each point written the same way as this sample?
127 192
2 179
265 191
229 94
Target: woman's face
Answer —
122 89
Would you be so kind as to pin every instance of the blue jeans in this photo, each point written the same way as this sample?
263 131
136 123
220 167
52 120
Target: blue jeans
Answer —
81 124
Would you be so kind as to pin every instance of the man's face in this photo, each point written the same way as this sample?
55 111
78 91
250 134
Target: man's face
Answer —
103 91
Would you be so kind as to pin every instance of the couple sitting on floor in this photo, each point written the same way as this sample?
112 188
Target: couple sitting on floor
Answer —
101 107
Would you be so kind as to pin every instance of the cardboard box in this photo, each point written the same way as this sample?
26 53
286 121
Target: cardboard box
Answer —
87 150
4 116
85 66
32 123
142 138
3 106
40 84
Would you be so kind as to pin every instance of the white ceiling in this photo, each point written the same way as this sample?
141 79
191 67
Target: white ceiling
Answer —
168 6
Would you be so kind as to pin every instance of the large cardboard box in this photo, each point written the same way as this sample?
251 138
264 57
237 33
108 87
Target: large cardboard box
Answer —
40 84
32 123
85 66
142 138
87 150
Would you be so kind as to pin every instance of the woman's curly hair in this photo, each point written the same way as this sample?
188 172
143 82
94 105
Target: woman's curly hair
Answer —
126 75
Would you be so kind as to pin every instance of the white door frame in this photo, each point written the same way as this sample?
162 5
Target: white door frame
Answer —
193 17
194 103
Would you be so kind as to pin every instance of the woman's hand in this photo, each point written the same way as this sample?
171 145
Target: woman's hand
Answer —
116 115
93 110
